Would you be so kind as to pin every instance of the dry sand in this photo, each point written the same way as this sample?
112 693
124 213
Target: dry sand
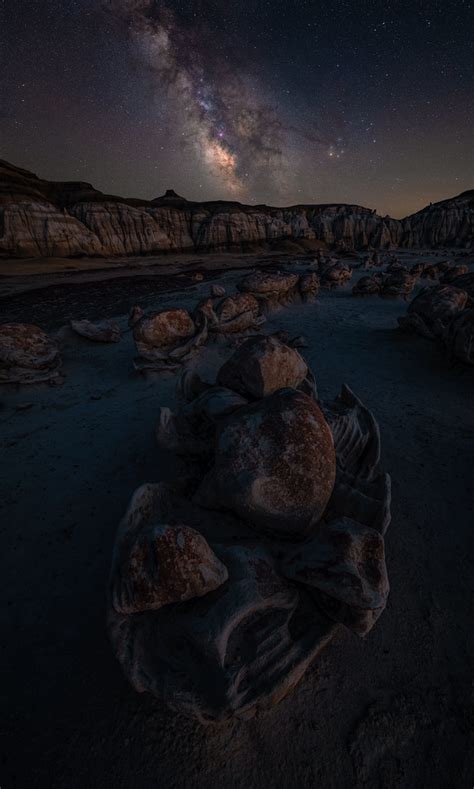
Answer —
391 710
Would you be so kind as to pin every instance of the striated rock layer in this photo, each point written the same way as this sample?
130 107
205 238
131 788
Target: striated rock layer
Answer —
66 219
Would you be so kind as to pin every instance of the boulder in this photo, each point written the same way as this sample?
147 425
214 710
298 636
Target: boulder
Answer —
274 465
465 282
344 568
264 284
367 286
433 309
238 313
334 274
27 354
398 283
102 331
160 564
261 366
164 329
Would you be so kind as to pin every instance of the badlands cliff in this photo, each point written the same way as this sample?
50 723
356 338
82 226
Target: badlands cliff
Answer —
63 219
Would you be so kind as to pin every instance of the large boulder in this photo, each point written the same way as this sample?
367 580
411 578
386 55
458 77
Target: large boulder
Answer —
274 465
261 366
27 354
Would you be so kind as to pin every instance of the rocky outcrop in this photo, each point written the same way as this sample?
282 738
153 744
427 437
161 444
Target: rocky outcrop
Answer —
65 219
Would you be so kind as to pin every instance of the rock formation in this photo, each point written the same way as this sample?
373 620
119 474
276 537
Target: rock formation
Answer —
432 310
64 219
102 331
283 539
27 355
445 313
368 286
166 337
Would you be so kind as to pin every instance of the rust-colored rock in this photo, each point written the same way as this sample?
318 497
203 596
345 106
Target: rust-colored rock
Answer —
159 564
261 366
264 284
27 354
275 465
164 329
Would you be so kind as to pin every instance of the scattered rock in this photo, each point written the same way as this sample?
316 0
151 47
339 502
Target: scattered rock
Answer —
27 355
367 286
103 331
399 283
238 313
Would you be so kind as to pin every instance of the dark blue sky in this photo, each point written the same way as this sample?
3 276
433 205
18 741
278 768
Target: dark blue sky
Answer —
278 102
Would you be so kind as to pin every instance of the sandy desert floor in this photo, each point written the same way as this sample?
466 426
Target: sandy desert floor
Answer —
392 710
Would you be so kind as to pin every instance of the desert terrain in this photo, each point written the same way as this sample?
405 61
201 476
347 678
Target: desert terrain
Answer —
391 709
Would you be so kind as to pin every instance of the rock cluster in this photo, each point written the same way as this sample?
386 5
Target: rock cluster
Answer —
248 566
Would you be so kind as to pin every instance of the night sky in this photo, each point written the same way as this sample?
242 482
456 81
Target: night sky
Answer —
281 102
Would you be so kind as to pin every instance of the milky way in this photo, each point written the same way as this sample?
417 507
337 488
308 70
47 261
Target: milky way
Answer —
275 101
238 134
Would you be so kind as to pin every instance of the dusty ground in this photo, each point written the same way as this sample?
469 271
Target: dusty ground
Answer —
392 710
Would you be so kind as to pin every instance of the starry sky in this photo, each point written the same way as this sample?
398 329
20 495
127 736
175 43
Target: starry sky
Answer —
281 102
